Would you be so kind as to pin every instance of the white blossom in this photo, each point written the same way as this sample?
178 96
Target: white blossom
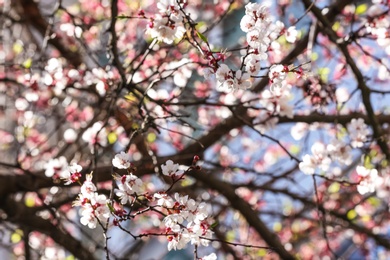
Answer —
163 200
95 135
247 23
56 167
128 186
122 160
211 256
291 34
277 76
171 169
73 174
358 132
369 178
318 159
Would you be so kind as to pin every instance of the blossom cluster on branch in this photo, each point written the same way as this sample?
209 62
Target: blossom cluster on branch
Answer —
103 105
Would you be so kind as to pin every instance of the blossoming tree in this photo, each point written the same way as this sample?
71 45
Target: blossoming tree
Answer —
130 123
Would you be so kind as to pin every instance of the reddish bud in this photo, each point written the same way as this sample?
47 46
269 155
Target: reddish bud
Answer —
141 13
195 160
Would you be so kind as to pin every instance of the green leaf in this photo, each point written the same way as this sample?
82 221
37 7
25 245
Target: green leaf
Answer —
277 227
334 187
27 63
336 26
361 9
215 224
324 73
294 149
367 162
112 210
351 214
262 252
384 163
17 236
112 137
314 56
29 201
151 137
17 47
374 201
230 235
202 37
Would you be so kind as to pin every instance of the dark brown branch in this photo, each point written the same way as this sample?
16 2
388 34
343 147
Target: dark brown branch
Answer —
19 214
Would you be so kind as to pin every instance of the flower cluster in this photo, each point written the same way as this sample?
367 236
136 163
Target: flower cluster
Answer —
95 135
259 27
379 24
73 174
59 168
185 222
368 179
56 167
232 80
128 186
323 156
277 76
358 132
167 25
171 169
93 205
277 104
122 161
319 158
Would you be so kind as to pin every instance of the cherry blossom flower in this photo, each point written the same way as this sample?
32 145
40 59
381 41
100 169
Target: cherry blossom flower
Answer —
257 39
163 200
88 217
340 152
277 76
247 23
299 130
243 80
223 73
73 174
95 135
318 159
171 8
122 161
94 210
253 65
56 167
277 104
178 241
93 205
358 132
199 231
182 209
369 177
211 256
308 164
88 188
171 169
128 186
291 34
167 25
